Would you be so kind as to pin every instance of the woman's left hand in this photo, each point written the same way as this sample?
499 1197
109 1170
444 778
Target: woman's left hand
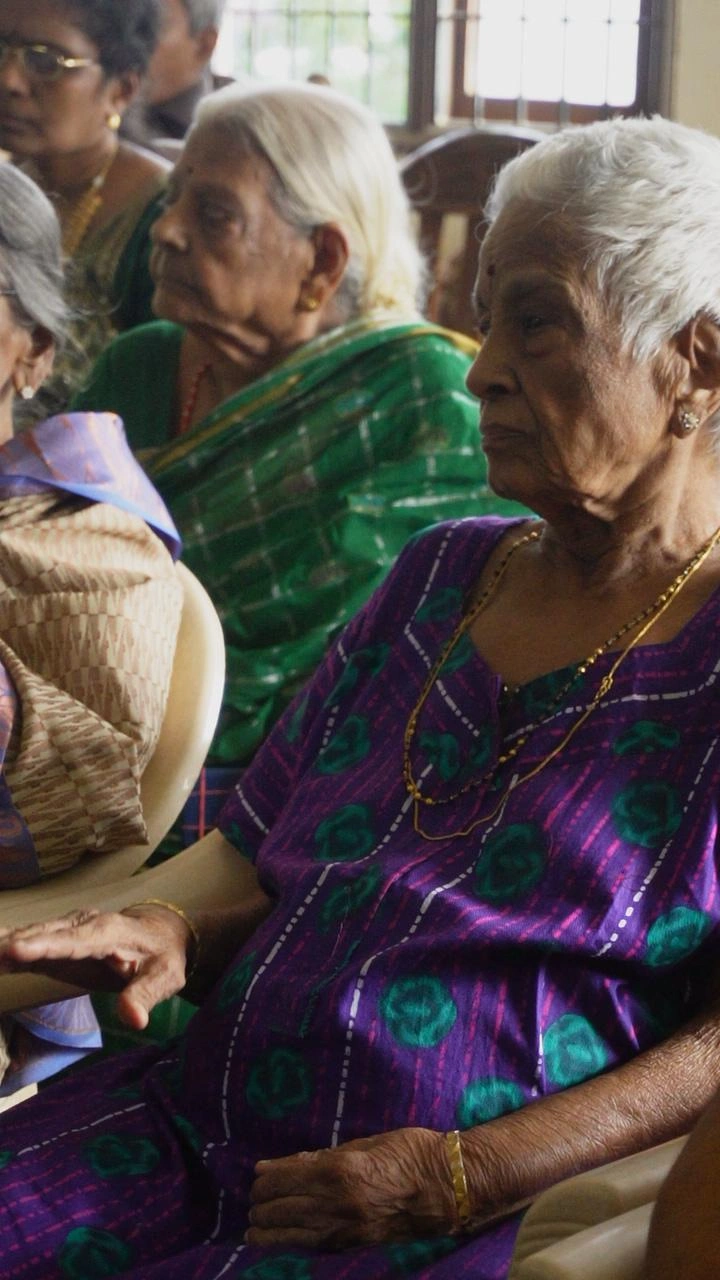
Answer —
395 1186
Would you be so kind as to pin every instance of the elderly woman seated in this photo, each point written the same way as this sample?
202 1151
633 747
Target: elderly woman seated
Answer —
89 608
456 934
304 420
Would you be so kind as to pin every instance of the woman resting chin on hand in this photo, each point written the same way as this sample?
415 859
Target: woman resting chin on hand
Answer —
455 933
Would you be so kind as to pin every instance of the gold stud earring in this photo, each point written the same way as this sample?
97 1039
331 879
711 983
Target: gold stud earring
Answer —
688 421
309 302
114 121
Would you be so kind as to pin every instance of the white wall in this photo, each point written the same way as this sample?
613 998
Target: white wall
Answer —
695 74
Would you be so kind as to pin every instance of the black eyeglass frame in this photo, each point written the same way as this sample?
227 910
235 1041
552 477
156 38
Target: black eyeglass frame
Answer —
61 61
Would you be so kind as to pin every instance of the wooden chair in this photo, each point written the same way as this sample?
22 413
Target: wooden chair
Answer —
448 180
193 706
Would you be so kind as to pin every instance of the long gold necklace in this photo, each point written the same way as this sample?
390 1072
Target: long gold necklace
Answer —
643 620
77 222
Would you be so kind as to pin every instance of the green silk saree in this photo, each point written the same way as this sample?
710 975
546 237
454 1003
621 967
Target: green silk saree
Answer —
294 497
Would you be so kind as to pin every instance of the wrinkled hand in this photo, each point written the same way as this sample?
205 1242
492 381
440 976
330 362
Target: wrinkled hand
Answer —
392 1187
140 952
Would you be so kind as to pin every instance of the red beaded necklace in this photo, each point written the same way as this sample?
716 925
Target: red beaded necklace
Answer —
188 409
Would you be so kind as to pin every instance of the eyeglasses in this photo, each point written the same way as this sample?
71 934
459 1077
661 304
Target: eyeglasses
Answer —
40 61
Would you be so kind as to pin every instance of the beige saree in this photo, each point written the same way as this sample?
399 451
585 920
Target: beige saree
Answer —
89 610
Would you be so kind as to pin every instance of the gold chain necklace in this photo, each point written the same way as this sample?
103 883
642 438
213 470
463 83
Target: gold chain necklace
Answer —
644 620
76 224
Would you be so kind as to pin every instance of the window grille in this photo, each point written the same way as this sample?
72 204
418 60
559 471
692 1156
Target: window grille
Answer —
426 62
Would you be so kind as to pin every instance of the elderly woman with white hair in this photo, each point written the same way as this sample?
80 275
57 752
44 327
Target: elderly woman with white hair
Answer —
295 412
458 930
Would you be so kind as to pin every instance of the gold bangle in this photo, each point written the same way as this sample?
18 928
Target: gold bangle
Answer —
457 1174
178 911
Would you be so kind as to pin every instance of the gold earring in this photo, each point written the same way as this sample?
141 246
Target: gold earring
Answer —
310 303
114 121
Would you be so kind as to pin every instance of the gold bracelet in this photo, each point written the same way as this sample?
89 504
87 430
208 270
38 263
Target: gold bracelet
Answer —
457 1174
172 906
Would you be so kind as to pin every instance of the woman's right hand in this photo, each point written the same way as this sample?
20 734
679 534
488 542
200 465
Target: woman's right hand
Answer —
140 952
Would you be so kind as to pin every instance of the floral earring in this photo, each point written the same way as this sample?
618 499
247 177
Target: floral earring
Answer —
688 421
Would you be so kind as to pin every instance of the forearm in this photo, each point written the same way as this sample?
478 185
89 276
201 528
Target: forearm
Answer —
210 876
219 890
684 1233
656 1096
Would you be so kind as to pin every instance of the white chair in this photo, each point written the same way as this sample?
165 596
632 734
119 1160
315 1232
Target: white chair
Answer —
594 1226
169 148
193 706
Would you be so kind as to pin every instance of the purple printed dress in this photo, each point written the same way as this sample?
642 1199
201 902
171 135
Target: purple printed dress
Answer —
399 980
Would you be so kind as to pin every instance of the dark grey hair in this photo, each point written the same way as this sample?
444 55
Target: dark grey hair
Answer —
30 254
125 31
204 13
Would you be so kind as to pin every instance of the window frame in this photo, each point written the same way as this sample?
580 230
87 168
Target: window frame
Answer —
655 29
656 26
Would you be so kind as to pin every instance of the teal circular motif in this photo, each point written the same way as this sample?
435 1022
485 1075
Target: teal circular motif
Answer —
511 864
645 736
233 832
486 1099
442 751
665 1004
130 1092
464 650
90 1253
188 1132
573 1051
370 661
419 1012
538 695
286 1266
344 900
112 1156
480 753
347 747
647 813
294 725
675 935
279 1083
408 1258
173 1076
346 835
234 986
440 605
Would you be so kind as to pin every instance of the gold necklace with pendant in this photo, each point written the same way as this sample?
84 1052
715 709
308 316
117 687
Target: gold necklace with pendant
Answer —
644 620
